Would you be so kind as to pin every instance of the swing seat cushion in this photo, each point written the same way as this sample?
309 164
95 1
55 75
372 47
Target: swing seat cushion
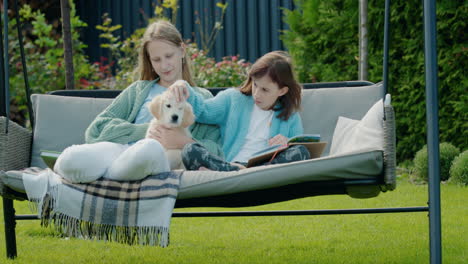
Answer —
360 165
61 121
365 164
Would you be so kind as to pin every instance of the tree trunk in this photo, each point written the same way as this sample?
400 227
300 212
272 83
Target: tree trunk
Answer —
363 41
67 44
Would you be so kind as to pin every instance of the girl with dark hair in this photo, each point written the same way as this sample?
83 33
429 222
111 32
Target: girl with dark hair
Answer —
261 113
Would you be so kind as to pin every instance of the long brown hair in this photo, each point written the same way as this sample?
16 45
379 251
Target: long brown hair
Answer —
277 65
161 30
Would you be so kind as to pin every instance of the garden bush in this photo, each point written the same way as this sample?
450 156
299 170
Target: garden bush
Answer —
206 72
230 72
323 40
447 151
459 169
122 57
43 46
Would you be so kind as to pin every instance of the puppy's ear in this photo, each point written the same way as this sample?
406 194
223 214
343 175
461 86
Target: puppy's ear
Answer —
189 117
155 107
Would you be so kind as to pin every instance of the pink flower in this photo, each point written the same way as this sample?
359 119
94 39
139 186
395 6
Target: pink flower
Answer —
84 82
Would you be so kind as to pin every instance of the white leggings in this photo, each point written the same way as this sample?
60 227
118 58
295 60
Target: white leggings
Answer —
89 162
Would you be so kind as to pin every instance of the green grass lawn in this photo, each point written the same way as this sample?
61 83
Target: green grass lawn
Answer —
381 238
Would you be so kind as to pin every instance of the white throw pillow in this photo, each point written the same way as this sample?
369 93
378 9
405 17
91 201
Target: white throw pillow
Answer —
343 128
353 135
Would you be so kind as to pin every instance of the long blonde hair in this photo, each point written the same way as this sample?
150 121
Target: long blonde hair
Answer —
161 30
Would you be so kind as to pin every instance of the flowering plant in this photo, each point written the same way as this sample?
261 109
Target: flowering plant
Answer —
45 64
230 72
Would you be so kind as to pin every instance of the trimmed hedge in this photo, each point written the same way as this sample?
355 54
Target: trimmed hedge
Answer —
459 169
447 152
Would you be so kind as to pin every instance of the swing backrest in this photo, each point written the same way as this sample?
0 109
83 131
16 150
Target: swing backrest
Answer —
61 121
322 107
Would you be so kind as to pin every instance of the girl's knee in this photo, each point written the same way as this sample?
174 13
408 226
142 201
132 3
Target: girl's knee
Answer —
143 158
192 146
302 152
150 147
84 163
147 141
191 149
293 153
191 154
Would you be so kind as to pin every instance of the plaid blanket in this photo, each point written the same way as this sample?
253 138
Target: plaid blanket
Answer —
136 212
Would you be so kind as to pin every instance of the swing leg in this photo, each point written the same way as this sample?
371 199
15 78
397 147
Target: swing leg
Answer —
10 225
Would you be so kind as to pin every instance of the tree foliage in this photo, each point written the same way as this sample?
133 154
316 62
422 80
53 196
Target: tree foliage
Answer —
43 46
323 40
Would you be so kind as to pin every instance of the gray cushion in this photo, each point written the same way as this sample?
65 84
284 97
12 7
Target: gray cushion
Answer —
61 121
14 178
364 164
322 107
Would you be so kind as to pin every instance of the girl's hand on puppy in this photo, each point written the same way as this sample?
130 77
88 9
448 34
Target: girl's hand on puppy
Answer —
152 133
179 90
170 137
278 140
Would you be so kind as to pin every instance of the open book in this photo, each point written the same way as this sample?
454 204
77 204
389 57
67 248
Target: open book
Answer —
310 141
49 157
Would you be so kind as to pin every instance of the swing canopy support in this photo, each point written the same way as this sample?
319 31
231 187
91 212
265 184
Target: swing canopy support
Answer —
433 207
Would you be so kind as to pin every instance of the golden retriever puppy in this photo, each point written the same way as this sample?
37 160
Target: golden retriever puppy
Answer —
166 110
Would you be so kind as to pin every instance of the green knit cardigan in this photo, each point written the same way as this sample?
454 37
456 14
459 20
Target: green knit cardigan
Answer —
115 123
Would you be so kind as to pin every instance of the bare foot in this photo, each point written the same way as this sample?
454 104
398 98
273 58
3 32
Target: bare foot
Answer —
204 169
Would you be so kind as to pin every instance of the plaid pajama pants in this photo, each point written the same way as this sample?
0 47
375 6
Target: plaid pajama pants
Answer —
194 156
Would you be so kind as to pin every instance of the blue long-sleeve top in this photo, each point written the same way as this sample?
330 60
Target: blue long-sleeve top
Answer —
232 110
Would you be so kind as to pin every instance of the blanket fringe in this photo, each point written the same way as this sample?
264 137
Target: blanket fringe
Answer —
75 226
131 235
45 204
33 204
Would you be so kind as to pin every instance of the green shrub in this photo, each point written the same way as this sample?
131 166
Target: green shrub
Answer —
230 72
459 169
43 47
447 153
420 165
206 72
323 41
122 55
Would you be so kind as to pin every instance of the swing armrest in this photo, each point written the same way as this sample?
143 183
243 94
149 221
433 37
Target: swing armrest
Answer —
15 145
389 149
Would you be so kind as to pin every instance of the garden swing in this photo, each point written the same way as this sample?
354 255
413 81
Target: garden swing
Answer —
360 173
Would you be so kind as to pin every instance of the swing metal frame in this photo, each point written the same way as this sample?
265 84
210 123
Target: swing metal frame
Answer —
433 207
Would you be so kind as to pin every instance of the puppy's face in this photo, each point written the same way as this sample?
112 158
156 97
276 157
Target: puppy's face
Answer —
170 112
